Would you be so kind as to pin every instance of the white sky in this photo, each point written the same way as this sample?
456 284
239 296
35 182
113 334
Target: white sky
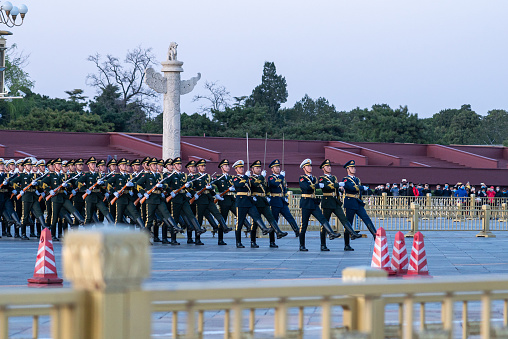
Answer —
427 54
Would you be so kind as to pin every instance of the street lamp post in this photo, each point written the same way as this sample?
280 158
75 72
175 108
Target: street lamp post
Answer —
9 14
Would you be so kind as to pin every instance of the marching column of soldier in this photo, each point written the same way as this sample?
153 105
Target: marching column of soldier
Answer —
157 197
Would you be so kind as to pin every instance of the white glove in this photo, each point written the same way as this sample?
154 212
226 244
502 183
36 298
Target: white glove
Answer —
263 173
162 195
129 184
218 197
283 173
131 193
187 185
341 184
51 192
208 187
34 183
146 195
88 192
140 195
196 197
321 185
73 192
365 188
106 195
116 194
22 192
100 182
173 194
6 182
188 195
268 199
287 200
254 198
37 193
14 192
44 194
247 173
232 189
159 185
65 184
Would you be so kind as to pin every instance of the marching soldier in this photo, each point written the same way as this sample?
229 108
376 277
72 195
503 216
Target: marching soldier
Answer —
353 203
121 187
206 205
26 184
180 185
245 205
55 186
191 169
92 184
262 202
6 205
76 194
155 202
331 204
278 196
310 204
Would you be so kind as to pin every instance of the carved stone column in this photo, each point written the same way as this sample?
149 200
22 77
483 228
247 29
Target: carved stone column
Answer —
109 265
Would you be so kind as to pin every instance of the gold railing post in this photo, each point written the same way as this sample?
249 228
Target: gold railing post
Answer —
503 213
110 264
485 232
428 206
384 205
414 221
458 216
472 206
486 314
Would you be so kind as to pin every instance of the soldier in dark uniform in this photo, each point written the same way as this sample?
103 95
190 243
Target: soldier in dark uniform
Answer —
94 197
180 200
205 202
245 205
224 182
125 200
112 167
76 194
6 205
191 175
331 204
310 204
55 186
262 201
30 197
353 203
156 202
279 196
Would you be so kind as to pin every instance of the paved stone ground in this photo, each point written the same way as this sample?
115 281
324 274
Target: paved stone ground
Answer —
448 253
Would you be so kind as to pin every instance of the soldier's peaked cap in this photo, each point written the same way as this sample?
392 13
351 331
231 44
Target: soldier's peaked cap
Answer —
135 162
305 163
152 161
256 163
223 162
238 163
112 162
201 162
57 161
123 161
168 162
145 160
79 162
2 161
65 163
101 162
27 161
71 162
350 163
177 160
91 160
274 163
190 163
161 162
325 163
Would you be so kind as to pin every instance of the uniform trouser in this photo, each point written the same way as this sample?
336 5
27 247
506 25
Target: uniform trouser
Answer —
306 213
162 211
267 213
339 213
7 210
92 207
28 207
286 213
143 211
58 208
224 211
183 208
350 214
241 214
80 207
212 210
122 209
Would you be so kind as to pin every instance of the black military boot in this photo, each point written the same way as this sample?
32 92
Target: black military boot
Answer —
198 240
173 240
189 237
212 222
221 238
165 234
172 226
42 222
302 243
372 229
331 233
223 225
110 218
279 233
23 233
238 236
294 226
53 233
348 248
139 223
352 232
253 243
80 220
273 244
17 232
265 230
322 235
198 229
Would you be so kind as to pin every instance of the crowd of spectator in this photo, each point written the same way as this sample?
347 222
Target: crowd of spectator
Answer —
409 189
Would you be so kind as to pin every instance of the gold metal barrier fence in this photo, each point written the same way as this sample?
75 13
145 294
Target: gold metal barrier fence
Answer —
107 301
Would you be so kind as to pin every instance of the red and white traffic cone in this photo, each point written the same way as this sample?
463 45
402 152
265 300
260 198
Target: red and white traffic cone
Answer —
380 256
418 261
45 266
399 261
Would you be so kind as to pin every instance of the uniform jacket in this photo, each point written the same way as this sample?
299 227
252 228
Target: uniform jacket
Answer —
308 186
353 185
242 185
146 182
331 186
277 185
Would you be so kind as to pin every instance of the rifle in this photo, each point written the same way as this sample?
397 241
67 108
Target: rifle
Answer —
95 185
247 137
204 188
264 159
221 195
59 188
168 199
120 192
283 151
77 175
153 188
24 189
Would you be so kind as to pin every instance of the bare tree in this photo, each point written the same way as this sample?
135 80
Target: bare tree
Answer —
128 76
218 98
